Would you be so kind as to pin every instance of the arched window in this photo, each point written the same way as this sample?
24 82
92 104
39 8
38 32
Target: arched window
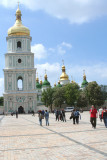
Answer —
18 44
20 83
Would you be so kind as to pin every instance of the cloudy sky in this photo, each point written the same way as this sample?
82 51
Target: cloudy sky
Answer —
71 30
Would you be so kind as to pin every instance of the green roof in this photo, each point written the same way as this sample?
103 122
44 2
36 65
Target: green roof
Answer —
59 85
46 83
38 85
84 83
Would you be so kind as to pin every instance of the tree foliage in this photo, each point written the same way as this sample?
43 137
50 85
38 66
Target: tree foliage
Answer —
82 100
59 97
47 97
1 101
94 94
71 93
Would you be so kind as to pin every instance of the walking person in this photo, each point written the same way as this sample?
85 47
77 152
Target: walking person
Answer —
57 115
40 115
47 117
104 116
77 114
16 114
100 113
73 116
63 115
93 116
33 113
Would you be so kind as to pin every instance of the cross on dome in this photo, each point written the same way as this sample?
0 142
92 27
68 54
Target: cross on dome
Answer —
18 3
84 72
45 71
63 62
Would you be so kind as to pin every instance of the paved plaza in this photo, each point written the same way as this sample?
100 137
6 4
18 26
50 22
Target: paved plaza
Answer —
24 139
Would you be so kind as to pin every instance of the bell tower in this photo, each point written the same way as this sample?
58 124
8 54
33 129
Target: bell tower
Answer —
19 73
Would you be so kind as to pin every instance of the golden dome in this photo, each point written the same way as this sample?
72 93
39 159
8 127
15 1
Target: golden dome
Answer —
58 82
18 28
41 82
45 76
64 76
55 84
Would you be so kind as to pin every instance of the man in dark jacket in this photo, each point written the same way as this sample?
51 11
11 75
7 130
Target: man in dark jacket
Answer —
104 116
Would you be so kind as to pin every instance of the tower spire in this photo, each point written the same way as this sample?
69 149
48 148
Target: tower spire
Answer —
37 79
45 75
18 13
40 80
18 3
84 76
62 62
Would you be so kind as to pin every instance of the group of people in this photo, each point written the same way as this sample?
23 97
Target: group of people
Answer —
43 114
94 115
60 115
75 116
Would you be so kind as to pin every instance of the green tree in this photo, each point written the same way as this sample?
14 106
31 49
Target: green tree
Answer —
82 100
72 93
47 97
1 101
94 94
59 96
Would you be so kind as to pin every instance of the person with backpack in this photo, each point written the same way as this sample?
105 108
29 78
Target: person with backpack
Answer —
77 114
47 117
104 116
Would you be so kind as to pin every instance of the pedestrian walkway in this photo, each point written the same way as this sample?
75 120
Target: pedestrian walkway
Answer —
1 117
24 139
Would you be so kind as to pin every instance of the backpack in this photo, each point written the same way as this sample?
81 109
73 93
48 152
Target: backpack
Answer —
77 114
105 114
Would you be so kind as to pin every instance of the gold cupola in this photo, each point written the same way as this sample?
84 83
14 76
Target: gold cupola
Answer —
45 77
37 79
64 76
18 29
55 84
41 80
72 81
84 75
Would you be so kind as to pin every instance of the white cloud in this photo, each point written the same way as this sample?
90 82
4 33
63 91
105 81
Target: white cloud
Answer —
39 51
1 86
63 47
60 50
76 11
68 45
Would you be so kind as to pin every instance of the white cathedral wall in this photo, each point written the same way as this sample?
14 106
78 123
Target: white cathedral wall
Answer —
13 102
64 82
12 44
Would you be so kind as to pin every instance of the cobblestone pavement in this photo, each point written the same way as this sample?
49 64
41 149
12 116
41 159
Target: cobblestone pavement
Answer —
24 139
